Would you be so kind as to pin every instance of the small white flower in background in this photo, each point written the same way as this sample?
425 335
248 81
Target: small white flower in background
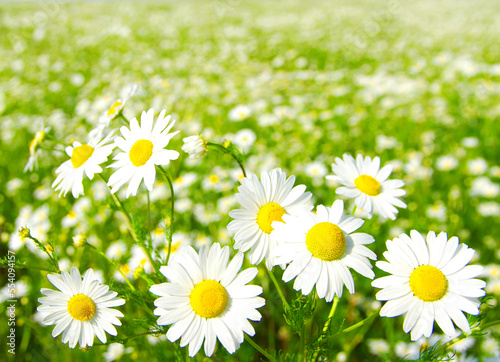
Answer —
477 166
105 119
34 150
206 299
244 139
315 170
489 208
127 93
364 181
470 142
143 147
239 113
263 202
384 143
320 248
407 351
491 346
430 281
115 351
482 186
195 146
81 309
378 346
446 163
437 212
84 158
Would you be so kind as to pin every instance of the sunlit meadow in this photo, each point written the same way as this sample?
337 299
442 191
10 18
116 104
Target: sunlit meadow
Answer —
204 263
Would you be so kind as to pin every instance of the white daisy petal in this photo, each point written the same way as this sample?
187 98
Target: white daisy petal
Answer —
439 287
362 179
223 315
81 310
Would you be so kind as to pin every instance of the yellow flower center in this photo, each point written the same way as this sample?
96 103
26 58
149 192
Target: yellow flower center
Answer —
81 154
367 185
428 283
267 214
140 152
208 299
39 136
113 110
81 307
325 241
214 179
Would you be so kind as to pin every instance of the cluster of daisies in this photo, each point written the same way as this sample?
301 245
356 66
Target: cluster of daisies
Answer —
141 149
207 298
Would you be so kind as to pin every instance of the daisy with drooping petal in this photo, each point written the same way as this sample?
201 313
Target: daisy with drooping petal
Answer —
195 146
206 299
143 147
85 158
364 181
34 151
80 309
321 248
264 201
430 281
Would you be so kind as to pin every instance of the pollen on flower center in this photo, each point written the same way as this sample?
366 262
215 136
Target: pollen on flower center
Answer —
267 214
141 152
208 299
325 241
367 185
81 307
81 154
428 283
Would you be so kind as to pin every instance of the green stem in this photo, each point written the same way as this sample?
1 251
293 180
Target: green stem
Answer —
367 320
327 324
172 211
100 252
278 288
258 348
149 220
120 114
463 335
233 155
122 208
44 249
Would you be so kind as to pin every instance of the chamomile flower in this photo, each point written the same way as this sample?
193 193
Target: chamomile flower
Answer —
264 201
206 299
195 146
320 248
364 181
34 151
142 147
430 281
80 309
85 158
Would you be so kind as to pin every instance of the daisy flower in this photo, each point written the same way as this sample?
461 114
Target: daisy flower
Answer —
34 151
321 248
127 93
195 146
207 299
364 181
86 159
143 147
80 309
430 282
264 201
